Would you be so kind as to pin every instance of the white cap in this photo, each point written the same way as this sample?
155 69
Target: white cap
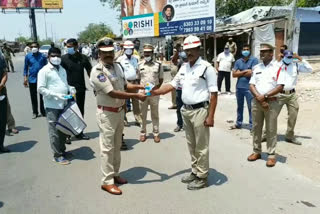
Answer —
191 42
128 44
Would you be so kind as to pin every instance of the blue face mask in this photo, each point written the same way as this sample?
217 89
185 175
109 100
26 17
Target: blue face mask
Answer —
226 51
245 53
71 51
287 61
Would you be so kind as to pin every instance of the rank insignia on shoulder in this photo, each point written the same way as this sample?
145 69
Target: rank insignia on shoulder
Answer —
101 77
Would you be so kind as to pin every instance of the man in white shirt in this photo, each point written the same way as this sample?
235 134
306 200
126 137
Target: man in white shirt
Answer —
288 96
265 84
199 94
86 50
224 66
130 65
53 85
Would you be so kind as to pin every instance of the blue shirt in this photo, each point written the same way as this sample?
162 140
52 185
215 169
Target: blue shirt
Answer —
241 64
32 65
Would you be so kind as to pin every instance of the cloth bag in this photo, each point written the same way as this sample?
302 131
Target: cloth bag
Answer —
70 121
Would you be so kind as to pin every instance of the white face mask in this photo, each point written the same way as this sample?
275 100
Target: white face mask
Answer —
55 60
128 52
148 59
34 50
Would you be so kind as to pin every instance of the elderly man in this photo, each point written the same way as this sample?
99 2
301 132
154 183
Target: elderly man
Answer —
110 85
265 84
199 94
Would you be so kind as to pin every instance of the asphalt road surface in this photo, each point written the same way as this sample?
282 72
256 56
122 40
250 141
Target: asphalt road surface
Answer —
31 183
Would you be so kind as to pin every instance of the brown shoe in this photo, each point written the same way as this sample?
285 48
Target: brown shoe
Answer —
119 180
112 189
172 107
271 162
156 139
254 157
143 138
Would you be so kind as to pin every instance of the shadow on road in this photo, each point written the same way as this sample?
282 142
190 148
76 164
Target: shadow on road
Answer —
92 135
131 143
136 174
22 128
282 137
1 204
22 146
165 135
83 153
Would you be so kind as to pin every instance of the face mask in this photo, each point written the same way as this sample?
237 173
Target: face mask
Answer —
226 51
55 60
287 61
128 52
71 51
148 59
245 53
34 50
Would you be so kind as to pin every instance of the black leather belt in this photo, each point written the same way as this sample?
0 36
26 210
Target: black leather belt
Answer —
288 92
196 106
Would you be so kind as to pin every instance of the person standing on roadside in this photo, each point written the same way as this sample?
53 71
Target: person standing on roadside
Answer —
33 62
75 63
110 86
3 102
224 66
53 85
199 94
7 51
243 71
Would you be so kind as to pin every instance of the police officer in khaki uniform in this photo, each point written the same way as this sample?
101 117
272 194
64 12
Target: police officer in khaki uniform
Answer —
265 84
108 81
199 94
150 71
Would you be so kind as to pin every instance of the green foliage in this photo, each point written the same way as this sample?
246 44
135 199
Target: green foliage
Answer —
94 32
308 3
23 39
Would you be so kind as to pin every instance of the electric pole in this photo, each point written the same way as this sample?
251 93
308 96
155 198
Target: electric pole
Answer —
32 17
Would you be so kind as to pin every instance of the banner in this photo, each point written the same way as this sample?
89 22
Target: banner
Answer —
40 4
170 17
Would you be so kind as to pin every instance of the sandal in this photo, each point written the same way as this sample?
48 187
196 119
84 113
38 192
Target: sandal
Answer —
234 127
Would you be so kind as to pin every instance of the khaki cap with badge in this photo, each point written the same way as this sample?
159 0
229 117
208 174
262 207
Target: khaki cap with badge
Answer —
147 47
266 47
105 44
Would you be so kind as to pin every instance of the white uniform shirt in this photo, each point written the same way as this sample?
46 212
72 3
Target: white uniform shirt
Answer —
197 82
86 51
265 77
225 61
52 82
130 66
291 72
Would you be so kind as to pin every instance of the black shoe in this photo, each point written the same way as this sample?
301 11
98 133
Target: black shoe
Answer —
124 146
34 116
68 140
43 115
4 150
82 137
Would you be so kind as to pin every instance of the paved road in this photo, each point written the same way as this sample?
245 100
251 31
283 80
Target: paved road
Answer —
30 183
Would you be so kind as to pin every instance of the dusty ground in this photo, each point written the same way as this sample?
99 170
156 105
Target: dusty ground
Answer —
305 158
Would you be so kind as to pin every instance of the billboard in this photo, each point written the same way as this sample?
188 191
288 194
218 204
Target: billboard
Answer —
169 17
41 4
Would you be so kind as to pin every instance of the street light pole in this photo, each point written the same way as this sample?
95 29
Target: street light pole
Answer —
32 17
45 25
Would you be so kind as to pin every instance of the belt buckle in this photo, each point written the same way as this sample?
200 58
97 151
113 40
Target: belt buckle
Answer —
286 92
188 107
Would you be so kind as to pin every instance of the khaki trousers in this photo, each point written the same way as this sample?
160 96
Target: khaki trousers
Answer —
136 110
154 106
10 120
291 101
111 127
173 72
270 117
198 137
174 98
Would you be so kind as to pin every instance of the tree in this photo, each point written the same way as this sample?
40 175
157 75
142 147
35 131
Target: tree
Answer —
94 32
308 3
23 40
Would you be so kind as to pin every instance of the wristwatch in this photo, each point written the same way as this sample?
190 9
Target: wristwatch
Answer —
266 96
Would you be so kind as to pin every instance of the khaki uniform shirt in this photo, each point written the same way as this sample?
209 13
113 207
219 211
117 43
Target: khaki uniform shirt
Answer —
150 72
104 80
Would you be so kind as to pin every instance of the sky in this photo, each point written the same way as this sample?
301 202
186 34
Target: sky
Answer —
75 16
